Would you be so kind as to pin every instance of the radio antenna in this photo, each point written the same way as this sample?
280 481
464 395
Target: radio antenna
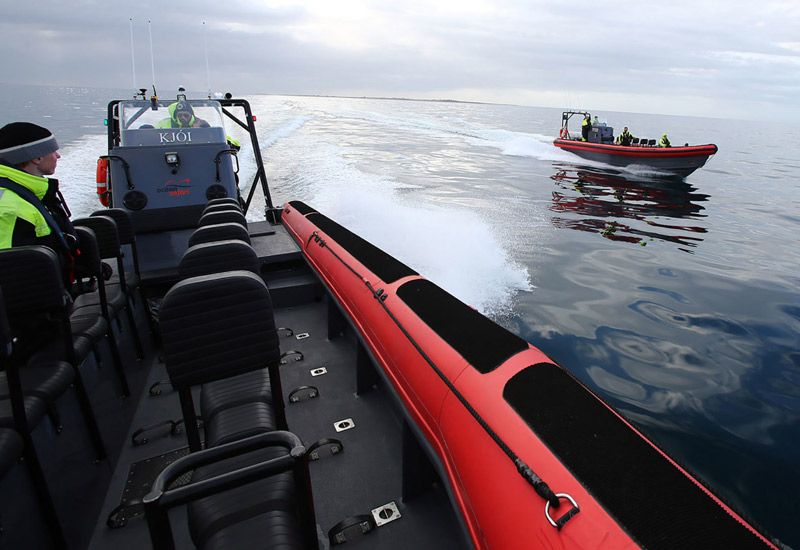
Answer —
133 58
205 51
152 57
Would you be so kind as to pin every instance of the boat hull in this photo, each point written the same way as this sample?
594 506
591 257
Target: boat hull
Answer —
673 161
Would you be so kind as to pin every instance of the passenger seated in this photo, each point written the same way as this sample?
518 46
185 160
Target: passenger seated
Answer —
664 142
625 137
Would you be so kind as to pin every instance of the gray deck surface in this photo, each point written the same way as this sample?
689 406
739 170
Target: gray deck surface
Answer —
367 474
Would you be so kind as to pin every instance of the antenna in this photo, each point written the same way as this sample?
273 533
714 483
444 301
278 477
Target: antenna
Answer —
133 58
205 51
152 57
154 97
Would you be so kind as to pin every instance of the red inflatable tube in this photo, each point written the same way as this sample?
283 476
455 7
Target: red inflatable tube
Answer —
499 507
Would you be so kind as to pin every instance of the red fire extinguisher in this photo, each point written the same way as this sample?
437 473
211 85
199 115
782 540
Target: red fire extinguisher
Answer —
103 192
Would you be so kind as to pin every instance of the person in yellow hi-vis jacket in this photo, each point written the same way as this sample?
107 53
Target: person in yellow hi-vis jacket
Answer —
32 209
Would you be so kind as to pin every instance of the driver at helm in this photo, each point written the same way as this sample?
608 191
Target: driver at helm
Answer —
181 115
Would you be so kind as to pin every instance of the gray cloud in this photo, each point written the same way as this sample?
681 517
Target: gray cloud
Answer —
733 58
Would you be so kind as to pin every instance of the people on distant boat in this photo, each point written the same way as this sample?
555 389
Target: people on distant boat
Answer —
664 141
181 115
586 127
32 209
625 137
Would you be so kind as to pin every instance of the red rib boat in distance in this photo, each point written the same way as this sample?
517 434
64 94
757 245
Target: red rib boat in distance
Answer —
600 146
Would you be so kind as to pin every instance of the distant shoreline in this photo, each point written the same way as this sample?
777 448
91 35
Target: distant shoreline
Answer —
391 98
128 93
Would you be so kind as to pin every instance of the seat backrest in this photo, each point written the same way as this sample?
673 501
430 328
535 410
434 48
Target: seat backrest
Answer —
225 216
105 230
635 141
6 338
219 232
125 232
11 447
217 326
35 298
221 208
88 263
652 142
224 200
217 256
30 277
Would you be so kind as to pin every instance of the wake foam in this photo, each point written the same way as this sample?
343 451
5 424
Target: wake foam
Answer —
76 173
520 144
454 248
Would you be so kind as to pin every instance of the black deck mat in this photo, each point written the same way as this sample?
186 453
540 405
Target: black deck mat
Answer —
141 476
388 268
482 342
651 499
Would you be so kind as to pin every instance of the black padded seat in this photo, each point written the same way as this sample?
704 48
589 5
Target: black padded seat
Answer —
237 390
31 279
10 450
81 346
89 265
116 300
118 296
226 216
222 208
238 422
89 323
219 232
88 307
46 380
33 304
224 200
35 411
251 387
236 307
279 527
127 237
216 257
216 520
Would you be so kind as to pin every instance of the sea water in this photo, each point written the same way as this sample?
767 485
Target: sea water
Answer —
678 301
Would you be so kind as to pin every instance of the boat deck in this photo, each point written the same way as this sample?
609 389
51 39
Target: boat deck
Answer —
367 474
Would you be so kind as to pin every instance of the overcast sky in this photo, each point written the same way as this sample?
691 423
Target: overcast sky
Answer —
727 58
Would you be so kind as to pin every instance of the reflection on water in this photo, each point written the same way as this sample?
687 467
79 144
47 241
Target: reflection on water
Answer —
627 209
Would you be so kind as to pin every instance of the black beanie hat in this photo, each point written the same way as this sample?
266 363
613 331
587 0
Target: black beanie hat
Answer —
24 141
182 106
